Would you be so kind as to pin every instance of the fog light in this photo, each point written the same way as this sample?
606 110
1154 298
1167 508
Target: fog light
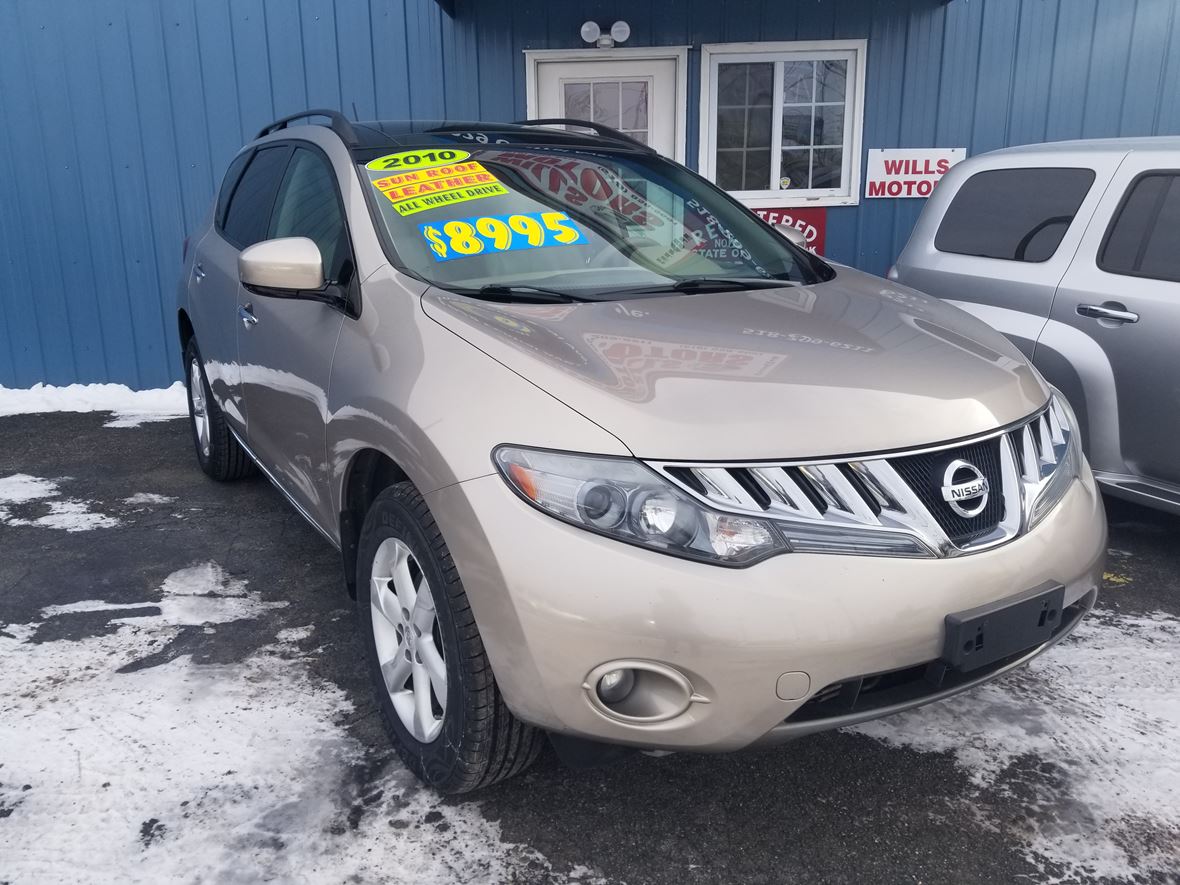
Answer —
615 685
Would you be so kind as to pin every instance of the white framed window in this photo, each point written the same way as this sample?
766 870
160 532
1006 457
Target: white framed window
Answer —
781 123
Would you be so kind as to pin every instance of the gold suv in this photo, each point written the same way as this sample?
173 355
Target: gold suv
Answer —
611 461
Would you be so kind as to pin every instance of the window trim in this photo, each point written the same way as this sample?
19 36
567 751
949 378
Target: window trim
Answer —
713 54
1100 258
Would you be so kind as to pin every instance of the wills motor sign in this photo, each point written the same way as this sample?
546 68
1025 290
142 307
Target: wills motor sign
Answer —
908 172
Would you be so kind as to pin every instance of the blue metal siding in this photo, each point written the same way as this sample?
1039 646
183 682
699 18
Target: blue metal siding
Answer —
120 116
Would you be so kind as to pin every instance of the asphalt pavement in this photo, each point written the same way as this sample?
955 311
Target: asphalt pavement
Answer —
121 512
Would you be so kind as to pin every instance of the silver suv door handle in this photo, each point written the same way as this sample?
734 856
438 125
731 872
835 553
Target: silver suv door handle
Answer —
1111 310
246 315
198 272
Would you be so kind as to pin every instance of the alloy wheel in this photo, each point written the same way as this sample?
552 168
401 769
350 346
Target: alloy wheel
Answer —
408 642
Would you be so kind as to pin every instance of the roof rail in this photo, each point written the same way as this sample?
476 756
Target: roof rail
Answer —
338 123
597 128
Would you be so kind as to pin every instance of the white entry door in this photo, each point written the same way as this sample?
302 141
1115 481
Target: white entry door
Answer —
640 96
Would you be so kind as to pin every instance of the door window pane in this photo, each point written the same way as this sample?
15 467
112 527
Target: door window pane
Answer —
1144 238
308 206
1013 214
634 110
605 98
248 214
620 104
577 101
743 125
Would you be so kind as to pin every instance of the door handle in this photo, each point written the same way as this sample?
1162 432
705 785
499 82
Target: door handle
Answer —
198 272
246 315
1111 310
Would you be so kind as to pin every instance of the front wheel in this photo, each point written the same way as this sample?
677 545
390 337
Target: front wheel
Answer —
434 685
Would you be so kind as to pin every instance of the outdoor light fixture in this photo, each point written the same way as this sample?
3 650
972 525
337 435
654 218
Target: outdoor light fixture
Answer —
619 32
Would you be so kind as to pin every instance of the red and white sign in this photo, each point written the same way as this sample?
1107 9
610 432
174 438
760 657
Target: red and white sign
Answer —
813 223
908 172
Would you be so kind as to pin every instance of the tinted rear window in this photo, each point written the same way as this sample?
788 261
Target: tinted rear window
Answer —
1013 214
248 216
1144 238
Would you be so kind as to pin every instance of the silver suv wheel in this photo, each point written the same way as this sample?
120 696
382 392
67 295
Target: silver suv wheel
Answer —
405 632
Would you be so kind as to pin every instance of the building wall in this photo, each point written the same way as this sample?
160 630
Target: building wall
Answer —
120 116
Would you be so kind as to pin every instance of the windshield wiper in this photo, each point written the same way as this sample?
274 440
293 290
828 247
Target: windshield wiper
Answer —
709 284
507 292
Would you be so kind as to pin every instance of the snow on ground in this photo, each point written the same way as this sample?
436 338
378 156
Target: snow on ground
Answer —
130 407
1085 738
147 498
21 494
118 764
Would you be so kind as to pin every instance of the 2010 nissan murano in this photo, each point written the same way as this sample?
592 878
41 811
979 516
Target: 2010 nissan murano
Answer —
610 460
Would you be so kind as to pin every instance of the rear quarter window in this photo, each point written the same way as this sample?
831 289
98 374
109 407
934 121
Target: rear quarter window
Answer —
1144 237
1013 214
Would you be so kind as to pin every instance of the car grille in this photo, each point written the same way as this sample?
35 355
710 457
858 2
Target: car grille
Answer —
911 493
924 474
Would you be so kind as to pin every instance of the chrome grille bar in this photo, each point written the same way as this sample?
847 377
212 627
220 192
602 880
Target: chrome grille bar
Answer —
870 494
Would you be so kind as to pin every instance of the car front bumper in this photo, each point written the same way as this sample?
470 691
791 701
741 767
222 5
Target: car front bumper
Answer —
555 603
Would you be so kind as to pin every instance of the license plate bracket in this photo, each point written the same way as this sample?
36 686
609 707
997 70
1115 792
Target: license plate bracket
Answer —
983 635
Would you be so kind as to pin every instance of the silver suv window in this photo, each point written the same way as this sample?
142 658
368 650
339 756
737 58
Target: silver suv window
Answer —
1013 214
1144 238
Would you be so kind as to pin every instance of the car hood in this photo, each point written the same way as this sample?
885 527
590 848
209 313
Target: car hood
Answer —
851 366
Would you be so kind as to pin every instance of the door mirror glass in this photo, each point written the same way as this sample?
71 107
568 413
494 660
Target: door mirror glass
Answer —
793 234
290 265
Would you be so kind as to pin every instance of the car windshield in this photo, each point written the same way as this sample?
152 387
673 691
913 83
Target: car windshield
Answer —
544 223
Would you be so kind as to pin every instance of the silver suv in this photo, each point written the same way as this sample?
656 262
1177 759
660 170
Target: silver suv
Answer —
1072 250
610 460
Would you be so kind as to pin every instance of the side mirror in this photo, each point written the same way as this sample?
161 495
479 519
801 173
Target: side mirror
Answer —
285 266
793 234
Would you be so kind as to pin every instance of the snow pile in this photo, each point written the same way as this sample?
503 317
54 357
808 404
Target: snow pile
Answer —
147 498
136 768
130 407
1084 737
68 515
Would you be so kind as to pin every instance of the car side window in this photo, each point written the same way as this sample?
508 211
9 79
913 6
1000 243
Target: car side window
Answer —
1144 238
1013 214
232 175
248 213
308 205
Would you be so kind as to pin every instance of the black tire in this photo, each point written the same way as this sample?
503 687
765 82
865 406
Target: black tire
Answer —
226 459
481 742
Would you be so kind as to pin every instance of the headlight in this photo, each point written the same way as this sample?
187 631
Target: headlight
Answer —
623 499
1057 455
